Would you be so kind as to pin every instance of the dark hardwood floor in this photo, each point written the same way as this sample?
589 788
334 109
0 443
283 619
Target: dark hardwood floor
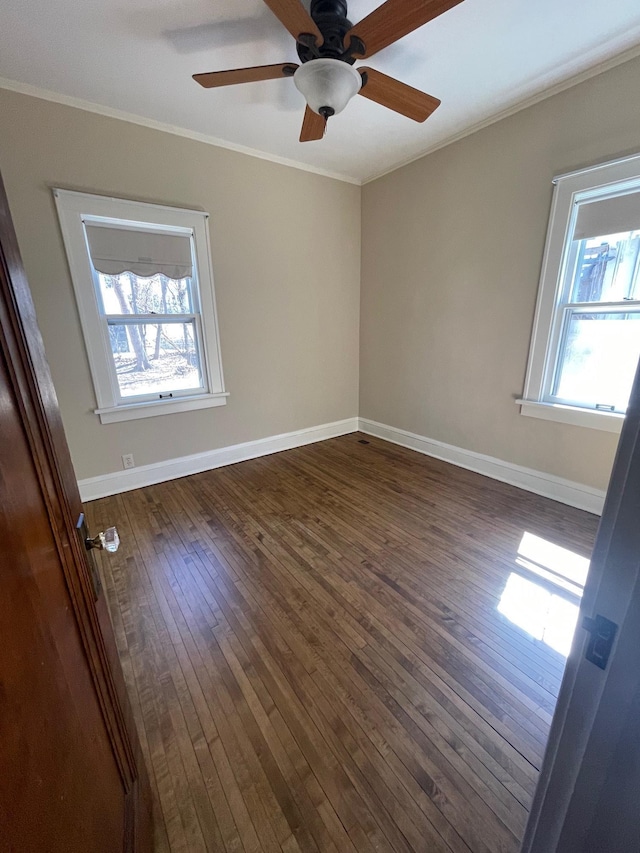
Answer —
316 661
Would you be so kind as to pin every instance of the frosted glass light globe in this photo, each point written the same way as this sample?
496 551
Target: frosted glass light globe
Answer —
328 84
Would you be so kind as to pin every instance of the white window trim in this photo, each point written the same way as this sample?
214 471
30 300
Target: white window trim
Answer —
569 188
73 208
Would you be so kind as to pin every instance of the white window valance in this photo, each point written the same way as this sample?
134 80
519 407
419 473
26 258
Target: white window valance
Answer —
115 234
608 216
144 253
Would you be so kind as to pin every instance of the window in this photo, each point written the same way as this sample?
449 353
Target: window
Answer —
144 288
586 337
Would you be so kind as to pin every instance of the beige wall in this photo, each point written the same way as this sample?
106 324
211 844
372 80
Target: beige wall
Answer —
288 312
451 253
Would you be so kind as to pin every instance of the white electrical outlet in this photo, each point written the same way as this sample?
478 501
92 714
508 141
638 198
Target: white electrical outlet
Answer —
127 461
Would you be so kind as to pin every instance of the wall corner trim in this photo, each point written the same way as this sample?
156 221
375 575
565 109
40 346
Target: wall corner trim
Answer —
538 482
171 469
112 112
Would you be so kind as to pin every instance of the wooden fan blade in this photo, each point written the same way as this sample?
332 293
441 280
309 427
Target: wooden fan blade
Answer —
397 96
245 75
293 16
313 126
395 19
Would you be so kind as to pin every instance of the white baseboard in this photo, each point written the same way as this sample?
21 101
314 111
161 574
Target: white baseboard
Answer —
565 491
556 488
171 469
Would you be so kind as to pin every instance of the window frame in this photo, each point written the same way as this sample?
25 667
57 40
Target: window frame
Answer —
76 208
595 182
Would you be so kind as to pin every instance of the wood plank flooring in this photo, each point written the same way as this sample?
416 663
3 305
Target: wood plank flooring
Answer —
314 655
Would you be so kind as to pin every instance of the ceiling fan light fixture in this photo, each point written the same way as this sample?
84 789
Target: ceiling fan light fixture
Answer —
327 85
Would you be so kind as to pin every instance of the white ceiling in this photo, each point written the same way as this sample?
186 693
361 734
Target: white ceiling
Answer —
137 56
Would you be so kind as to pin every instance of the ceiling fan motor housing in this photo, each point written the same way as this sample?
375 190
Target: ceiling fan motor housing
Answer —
328 48
331 19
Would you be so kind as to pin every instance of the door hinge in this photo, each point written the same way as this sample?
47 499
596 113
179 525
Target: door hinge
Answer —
603 633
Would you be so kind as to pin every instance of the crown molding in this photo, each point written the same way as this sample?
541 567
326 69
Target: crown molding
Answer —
122 115
542 95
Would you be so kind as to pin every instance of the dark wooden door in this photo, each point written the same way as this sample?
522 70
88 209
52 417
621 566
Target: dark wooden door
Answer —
587 796
71 775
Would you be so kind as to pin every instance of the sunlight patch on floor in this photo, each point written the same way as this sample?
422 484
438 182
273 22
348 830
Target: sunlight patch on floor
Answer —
542 596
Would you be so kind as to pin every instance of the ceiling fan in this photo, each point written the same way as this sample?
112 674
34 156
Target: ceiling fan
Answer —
328 45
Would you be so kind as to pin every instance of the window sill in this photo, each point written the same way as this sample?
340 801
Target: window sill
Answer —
133 411
607 421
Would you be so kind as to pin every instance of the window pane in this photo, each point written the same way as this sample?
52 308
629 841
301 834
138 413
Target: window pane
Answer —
130 294
155 358
599 359
608 268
